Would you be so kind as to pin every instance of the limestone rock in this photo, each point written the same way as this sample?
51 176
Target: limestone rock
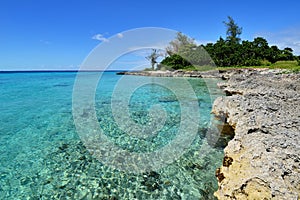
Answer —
263 159
177 73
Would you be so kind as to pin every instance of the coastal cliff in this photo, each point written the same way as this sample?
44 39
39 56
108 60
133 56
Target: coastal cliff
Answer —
262 161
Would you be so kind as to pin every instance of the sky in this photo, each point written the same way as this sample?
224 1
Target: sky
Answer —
61 34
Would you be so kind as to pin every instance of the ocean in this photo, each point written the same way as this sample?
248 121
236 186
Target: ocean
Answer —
53 143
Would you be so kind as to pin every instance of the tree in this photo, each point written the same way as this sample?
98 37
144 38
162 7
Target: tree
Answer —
273 54
288 53
198 56
261 48
186 48
298 60
153 57
181 44
184 53
228 52
233 31
175 61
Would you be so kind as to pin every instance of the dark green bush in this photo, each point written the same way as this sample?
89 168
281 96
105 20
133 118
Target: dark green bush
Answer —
176 62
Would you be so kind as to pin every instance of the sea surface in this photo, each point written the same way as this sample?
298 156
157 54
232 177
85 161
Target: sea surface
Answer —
42 156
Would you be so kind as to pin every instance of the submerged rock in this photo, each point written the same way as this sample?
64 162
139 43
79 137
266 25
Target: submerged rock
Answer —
152 181
262 161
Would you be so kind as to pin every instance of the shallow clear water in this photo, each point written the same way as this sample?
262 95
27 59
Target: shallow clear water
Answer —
42 156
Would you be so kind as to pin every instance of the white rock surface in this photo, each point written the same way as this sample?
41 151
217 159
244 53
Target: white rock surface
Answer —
263 159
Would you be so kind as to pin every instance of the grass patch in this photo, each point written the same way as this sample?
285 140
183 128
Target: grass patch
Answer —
292 66
242 67
199 68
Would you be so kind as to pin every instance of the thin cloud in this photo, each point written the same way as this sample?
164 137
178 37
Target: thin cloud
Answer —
45 42
100 37
128 62
132 62
160 46
120 35
285 38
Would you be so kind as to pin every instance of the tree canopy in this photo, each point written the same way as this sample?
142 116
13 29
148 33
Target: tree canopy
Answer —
233 31
153 57
183 53
232 51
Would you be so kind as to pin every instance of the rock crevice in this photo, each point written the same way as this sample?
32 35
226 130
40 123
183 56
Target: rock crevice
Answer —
262 160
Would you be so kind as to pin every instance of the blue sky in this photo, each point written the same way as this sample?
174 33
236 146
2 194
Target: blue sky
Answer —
56 34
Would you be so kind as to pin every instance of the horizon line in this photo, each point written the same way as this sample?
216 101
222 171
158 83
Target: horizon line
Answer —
20 71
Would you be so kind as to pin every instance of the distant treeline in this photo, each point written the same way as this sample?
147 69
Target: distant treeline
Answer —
183 53
248 53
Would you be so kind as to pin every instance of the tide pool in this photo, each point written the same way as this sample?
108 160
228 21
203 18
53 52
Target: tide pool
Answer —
42 155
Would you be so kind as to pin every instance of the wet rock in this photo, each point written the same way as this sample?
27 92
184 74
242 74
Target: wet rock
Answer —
207 192
25 180
195 166
167 99
63 147
152 181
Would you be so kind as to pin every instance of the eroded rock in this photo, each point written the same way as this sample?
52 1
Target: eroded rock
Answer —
178 73
263 159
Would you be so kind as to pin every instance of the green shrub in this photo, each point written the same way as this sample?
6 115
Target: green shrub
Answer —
252 62
266 63
176 62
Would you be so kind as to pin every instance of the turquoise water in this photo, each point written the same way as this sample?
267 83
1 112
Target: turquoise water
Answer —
43 157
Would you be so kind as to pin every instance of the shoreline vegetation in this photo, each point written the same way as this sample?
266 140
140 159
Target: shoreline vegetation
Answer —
232 52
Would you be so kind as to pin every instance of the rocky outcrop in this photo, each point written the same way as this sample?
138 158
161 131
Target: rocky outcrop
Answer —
178 73
262 161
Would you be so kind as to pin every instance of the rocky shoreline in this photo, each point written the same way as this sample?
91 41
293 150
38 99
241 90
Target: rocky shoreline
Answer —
262 161
177 73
